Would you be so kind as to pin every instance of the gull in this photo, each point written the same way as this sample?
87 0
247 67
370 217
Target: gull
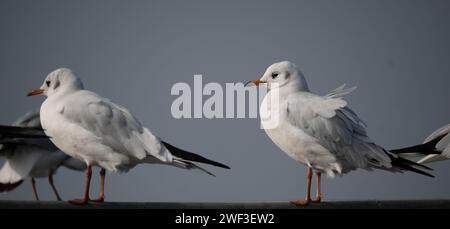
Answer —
321 132
101 133
436 147
29 153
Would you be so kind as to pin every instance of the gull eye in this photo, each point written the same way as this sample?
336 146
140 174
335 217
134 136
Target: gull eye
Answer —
274 75
47 83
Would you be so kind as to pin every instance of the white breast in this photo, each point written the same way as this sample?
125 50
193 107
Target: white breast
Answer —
288 138
53 125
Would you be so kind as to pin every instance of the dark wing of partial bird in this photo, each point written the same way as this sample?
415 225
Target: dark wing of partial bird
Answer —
21 132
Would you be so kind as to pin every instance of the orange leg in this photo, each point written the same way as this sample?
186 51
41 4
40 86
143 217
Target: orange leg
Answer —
85 199
33 184
101 197
318 192
307 199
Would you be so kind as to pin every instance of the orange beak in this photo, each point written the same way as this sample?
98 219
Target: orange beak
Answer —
36 92
254 82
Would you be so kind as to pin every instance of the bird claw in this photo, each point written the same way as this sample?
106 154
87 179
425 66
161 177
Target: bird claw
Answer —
317 200
303 202
79 201
99 200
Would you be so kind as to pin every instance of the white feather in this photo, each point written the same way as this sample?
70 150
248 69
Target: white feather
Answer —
443 145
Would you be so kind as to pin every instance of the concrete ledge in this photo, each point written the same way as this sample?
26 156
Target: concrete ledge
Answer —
384 204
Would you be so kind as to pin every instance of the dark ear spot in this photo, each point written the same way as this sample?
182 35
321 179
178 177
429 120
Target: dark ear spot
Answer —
287 75
57 83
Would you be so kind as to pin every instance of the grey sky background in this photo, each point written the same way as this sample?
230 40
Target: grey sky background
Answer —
396 52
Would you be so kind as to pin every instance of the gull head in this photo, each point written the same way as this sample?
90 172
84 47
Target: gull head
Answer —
283 74
59 81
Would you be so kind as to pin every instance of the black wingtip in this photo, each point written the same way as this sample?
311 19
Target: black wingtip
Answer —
192 156
427 148
208 172
412 169
21 132
412 163
408 165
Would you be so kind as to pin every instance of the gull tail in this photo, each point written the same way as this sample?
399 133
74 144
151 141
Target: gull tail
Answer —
7 187
186 156
10 177
426 148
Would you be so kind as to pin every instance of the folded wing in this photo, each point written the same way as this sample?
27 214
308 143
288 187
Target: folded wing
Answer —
114 125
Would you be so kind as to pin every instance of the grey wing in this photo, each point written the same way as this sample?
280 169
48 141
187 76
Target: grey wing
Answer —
26 130
27 126
337 128
439 132
444 144
30 119
432 158
115 126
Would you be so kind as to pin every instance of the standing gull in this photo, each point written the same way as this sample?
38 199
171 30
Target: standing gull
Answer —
319 131
29 153
436 147
102 133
